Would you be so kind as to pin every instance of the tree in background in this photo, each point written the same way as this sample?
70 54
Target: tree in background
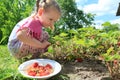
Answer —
107 27
72 17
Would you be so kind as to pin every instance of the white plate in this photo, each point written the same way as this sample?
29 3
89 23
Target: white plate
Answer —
56 67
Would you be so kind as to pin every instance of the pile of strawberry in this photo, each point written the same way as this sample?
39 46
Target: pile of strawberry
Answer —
39 70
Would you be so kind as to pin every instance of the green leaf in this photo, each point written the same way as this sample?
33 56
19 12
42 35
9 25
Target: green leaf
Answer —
57 38
63 34
81 42
50 49
116 56
103 34
110 50
73 31
106 24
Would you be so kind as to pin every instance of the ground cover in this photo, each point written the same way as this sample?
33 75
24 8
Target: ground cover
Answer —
71 70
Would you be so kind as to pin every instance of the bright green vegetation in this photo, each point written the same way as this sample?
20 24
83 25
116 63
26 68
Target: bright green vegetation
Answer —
9 67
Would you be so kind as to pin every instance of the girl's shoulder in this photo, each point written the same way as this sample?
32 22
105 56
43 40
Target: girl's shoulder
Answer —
23 21
30 22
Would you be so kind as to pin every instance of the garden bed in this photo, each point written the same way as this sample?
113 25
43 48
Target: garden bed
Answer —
86 70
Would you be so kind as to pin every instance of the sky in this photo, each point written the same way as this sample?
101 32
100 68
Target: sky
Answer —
105 10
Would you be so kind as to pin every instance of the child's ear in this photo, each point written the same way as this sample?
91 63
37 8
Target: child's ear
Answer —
40 11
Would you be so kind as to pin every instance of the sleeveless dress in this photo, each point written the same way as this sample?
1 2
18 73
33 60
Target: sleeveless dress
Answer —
34 29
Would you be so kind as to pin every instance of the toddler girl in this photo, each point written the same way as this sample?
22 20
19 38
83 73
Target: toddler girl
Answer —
28 37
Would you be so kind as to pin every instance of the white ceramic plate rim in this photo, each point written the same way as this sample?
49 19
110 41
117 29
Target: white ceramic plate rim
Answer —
53 63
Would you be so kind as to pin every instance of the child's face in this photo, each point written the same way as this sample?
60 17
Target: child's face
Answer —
49 17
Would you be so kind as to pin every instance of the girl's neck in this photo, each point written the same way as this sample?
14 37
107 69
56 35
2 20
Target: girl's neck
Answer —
35 16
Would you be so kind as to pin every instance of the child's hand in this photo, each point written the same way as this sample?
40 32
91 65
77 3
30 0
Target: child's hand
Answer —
45 44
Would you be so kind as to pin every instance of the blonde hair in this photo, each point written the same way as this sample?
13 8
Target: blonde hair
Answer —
45 4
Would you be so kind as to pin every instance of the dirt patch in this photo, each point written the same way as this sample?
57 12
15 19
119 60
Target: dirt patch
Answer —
85 70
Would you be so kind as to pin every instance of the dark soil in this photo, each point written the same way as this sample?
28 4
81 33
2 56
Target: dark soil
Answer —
85 70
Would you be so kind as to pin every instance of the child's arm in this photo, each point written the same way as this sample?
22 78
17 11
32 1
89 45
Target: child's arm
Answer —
23 37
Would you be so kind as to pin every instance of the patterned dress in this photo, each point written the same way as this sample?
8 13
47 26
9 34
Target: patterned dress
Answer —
34 29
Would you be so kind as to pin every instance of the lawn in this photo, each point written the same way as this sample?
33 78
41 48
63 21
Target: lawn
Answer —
9 67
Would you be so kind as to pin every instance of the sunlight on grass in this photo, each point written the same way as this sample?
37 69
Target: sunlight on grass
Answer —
8 65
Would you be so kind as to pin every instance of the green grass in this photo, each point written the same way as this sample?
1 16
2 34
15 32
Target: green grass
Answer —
9 67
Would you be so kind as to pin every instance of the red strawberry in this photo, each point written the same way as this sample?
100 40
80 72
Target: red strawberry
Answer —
79 59
118 43
44 73
48 66
115 61
32 73
35 65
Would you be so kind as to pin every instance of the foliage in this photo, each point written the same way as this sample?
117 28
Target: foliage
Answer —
107 26
91 43
11 12
112 61
73 17
1 34
112 55
7 63
85 41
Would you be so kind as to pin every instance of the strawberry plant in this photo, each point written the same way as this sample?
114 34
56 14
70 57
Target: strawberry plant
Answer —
112 61
91 43
64 48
